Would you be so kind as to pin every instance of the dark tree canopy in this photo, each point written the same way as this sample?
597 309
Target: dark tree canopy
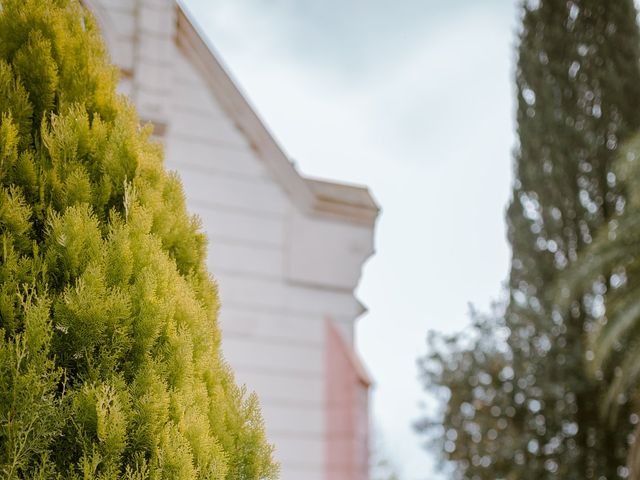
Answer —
110 363
537 414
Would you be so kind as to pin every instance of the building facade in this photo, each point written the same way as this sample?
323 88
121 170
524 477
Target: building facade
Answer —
286 251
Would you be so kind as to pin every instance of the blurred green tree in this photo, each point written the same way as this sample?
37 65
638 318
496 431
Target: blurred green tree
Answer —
110 363
526 407
612 262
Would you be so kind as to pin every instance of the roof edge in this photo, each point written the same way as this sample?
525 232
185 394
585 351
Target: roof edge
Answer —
319 197
235 104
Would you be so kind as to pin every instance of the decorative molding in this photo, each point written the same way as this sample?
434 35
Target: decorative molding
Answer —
344 201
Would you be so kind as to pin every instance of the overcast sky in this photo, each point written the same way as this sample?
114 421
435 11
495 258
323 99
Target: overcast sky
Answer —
414 99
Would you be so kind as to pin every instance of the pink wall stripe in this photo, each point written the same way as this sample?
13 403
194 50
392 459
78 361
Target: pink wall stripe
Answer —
347 410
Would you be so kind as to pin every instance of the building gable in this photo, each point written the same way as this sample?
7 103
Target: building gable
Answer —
286 251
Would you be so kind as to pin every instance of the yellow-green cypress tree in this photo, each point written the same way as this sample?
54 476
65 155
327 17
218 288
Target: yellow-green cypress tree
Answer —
110 363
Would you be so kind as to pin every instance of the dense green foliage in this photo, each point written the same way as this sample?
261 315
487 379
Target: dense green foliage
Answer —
521 403
110 364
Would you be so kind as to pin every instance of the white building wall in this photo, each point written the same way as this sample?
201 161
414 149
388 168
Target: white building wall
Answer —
271 336
272 262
